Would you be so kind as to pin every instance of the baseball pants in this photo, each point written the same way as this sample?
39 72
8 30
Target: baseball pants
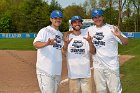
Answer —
81 83
107 81
48 84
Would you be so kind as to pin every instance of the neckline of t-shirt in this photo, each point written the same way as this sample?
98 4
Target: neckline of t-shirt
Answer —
101 26
77 35
53 29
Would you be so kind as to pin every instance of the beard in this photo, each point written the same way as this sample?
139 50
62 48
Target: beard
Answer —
76 28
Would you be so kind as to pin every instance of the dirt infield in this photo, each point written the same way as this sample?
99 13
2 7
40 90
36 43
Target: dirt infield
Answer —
17 72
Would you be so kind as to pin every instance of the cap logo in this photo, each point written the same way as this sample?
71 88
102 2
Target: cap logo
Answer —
96 11
76 17
58 13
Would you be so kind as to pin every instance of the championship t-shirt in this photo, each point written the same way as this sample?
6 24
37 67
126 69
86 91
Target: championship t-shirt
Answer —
49 58
106 44
78 57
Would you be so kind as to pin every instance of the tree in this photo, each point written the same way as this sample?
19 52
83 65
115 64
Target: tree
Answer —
54 6
120 13
39 18
5 23
72 11
114 15
3 6
103 3
136 4
31 12
31 15
132 8
89 5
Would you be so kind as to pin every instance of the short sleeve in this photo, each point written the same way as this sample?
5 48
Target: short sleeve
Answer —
40 36
116 38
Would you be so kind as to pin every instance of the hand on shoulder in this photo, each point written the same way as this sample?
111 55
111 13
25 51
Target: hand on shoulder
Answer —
67 33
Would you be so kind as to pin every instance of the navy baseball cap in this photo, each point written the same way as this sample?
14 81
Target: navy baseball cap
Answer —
74 18
97 12
56 14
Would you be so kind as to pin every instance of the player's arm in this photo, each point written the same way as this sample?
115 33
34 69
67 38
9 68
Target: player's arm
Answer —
66 34
92 48
39 44
123 40
66 41
117 33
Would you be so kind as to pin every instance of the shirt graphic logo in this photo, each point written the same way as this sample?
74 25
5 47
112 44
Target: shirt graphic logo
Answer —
58 42
98 39
99 35
77 43
77 47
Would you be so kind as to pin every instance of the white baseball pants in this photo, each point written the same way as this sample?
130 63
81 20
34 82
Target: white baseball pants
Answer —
107 80
81 83
48 84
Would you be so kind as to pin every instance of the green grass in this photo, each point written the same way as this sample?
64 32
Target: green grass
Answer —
131 69
16 44
133 48
131 78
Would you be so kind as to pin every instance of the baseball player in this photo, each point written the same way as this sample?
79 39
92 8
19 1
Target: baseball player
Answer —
105 61
78 46
49 58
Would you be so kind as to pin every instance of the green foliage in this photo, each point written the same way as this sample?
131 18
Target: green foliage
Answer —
54 6
3 6
38 19
18 16
64 26
128 25
70 11
31 16
5 23
111 15
74 10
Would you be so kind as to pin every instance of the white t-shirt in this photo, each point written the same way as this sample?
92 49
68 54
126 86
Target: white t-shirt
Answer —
78 57
49 58
106 44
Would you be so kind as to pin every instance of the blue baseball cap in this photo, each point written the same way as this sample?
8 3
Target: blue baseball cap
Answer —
97 12
56 13
74 18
